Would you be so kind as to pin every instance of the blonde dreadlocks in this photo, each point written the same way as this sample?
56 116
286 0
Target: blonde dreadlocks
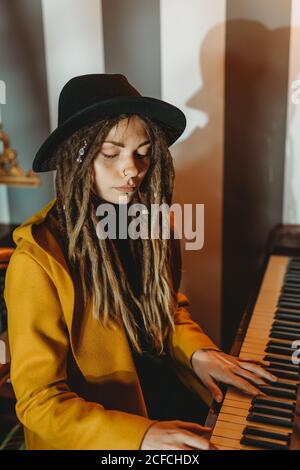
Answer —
96 261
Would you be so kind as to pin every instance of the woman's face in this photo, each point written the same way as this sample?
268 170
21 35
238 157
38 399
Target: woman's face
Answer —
125 151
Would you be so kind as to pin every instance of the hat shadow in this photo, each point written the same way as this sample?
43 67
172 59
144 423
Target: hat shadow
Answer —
234 167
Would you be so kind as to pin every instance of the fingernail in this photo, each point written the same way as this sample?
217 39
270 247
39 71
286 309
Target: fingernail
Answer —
274 378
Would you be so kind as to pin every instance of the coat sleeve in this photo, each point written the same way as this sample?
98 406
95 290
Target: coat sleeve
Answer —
39 344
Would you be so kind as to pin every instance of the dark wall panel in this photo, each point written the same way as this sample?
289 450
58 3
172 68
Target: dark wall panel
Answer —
256 81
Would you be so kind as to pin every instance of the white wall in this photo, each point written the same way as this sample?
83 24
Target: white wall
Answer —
192 69
73 44
291 213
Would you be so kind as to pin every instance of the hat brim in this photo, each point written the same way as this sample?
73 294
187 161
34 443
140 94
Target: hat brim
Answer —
171 118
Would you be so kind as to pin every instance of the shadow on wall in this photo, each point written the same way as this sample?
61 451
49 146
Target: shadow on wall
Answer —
242 192
25 114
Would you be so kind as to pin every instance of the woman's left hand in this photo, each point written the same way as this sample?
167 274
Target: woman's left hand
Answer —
216 366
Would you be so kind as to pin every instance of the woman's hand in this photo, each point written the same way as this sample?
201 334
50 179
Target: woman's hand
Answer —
216 366
177 435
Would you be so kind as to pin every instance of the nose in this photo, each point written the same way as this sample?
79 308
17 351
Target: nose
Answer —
130 169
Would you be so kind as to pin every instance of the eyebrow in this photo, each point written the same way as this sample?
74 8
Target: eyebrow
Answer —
120 144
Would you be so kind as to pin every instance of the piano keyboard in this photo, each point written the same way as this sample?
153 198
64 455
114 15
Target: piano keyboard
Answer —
244 422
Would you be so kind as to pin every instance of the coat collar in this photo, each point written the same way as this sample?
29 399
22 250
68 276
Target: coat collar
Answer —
47 243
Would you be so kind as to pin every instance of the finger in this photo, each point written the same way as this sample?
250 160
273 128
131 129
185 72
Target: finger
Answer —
249 376
184 447
214 389
254 361
258 371
244 385
197 442
194 427
213 447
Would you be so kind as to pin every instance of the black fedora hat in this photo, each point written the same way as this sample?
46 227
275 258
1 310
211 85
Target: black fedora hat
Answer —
86 98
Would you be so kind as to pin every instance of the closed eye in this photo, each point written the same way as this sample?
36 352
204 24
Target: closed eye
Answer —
137 155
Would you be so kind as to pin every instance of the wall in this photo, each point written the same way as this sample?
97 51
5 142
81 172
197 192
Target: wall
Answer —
131 31
25 115
291 208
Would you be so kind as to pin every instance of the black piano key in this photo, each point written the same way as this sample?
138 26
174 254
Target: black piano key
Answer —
285 326
262 444
290 305
291 284
261 432
284 422
284 385
285 344
278 392
286 310
291 277
277 350
285 329
290 296
285 290
290 290
292 274
284 299
284 335
283 366
282 374
271 411
275 359
292 280
287 316
273 402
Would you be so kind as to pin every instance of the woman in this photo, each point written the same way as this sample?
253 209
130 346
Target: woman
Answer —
95 323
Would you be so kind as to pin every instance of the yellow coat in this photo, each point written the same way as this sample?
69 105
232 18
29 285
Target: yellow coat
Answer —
75 382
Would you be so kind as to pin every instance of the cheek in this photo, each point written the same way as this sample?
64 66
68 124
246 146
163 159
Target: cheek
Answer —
145 169
102 173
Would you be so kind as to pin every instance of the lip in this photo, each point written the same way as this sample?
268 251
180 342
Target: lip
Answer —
126 189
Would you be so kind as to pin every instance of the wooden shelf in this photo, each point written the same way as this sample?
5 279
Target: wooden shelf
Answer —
20 181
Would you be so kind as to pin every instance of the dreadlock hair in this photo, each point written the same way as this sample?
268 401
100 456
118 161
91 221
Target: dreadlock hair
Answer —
96 262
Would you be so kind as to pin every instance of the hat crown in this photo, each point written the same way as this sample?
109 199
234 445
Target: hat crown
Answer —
85 90
85 99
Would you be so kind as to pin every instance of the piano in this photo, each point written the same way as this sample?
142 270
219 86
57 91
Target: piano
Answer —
271 331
